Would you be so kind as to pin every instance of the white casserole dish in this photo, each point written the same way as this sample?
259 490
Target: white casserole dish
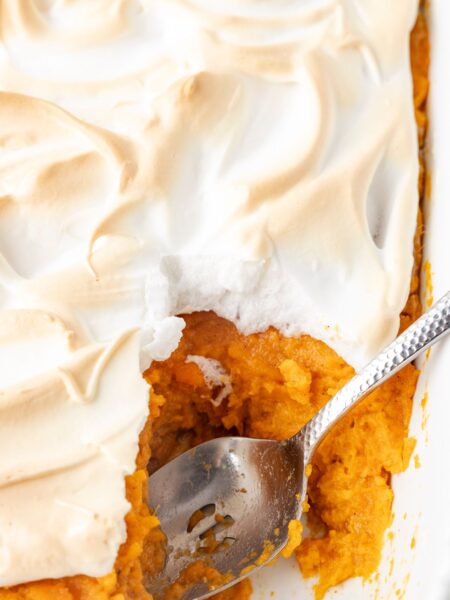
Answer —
419 569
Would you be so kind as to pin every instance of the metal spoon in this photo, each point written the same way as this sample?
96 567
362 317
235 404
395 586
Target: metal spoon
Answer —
258 486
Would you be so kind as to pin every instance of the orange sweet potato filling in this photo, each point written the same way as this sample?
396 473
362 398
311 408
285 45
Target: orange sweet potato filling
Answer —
278 384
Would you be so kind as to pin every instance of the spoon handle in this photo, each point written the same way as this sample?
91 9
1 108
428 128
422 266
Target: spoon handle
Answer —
422 334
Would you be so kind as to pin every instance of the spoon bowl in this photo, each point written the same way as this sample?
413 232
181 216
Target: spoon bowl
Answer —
246 493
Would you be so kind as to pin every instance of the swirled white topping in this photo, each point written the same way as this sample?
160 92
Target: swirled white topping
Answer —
256 158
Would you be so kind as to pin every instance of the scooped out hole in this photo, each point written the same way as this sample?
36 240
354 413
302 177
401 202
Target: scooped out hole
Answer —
215 546
222 523
199 515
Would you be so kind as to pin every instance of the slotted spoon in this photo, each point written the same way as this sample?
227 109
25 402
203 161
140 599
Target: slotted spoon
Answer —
243 493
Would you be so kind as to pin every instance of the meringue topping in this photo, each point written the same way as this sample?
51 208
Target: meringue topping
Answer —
157 157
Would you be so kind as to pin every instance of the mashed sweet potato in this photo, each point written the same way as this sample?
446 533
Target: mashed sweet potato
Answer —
277 385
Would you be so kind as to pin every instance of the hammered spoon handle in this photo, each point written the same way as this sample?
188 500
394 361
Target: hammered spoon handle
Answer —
422 334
